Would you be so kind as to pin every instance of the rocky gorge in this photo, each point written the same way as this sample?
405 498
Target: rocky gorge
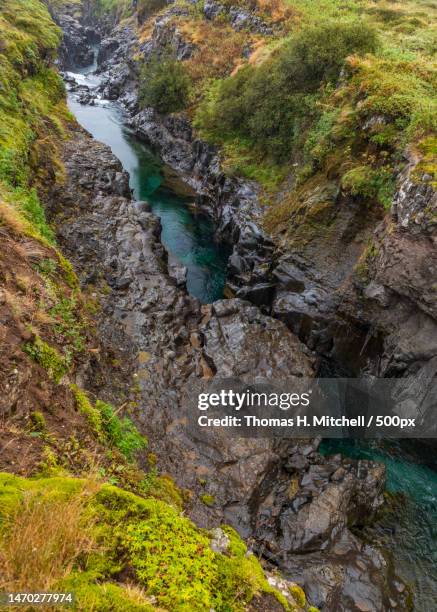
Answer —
316 291
252 491
329 292
171 340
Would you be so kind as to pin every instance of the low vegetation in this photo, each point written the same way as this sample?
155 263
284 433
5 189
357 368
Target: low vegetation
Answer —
336 92
272 104
32 109
165 84
64 533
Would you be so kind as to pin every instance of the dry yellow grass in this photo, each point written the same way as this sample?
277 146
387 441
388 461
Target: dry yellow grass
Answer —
42 540
10 217
220 49
278 10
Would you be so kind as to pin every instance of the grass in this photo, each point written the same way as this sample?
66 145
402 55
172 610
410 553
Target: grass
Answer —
49 358
32 109
43 536
77 534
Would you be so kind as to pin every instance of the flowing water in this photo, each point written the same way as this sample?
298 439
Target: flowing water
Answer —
410 529
187 236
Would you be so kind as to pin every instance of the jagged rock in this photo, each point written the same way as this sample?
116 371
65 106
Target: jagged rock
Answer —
75 50
239 17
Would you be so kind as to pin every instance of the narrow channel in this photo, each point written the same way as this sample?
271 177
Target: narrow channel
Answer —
187 236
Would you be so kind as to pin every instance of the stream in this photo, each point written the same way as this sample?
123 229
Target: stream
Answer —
188 236
409 528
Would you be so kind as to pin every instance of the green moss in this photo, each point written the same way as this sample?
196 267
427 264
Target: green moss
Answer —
28 203
48 357
370 183
86 408
13 488
69 273
38 421
104 597
163 488
168 557
428 163
298 595
171 557
208 500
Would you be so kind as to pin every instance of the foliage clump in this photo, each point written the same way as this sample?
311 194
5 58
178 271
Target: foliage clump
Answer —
32 111
271 104
164 84
119 433
83 535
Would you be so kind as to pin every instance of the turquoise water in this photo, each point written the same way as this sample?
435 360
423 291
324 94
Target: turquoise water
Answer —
409 530
186 235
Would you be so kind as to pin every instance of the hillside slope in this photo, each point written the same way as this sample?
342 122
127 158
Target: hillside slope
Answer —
64 525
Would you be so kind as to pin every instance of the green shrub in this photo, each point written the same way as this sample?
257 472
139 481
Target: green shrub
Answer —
316 54
164 85
117 433
370 183
271 105
319 142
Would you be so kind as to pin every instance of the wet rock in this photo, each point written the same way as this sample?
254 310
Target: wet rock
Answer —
178 272
305 526
106 49
75 50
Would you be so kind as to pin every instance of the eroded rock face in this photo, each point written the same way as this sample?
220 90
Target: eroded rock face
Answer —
240 18
397 293
295 505
78 38
115 243
231 202
302 524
